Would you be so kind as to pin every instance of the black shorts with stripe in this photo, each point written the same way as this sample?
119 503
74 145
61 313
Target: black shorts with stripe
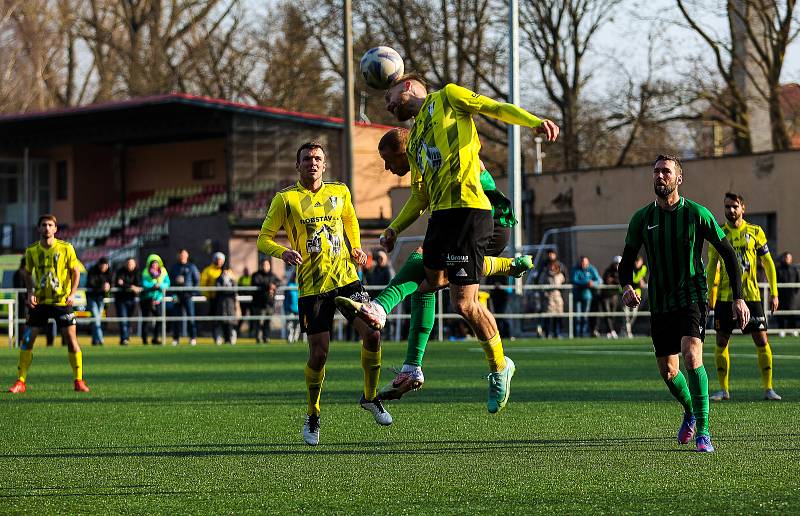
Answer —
456 241
723 317
317 311
40 314
667 329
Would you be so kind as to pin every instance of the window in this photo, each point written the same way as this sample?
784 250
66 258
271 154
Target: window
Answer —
203 169
62 181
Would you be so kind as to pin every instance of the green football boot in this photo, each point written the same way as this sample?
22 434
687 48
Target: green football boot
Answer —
500 387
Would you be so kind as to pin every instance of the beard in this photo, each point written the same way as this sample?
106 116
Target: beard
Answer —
730 217
664 191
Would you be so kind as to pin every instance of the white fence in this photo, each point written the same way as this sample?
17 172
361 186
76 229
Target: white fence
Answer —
520 311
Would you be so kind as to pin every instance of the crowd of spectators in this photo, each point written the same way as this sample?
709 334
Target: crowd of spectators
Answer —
245 306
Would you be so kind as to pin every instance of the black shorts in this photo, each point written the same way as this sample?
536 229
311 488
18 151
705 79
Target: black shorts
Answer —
499 240
723 317
38 316
316 312
668 328
456 241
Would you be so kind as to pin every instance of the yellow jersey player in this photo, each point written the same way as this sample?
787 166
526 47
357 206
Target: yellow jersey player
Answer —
52 272
749 242
317 216
442 151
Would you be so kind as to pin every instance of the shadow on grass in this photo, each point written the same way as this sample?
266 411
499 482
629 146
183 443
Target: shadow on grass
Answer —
388 448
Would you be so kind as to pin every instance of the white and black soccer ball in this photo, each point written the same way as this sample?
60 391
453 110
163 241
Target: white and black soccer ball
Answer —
380 66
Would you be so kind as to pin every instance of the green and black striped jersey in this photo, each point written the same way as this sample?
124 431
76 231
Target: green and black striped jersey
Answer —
673 241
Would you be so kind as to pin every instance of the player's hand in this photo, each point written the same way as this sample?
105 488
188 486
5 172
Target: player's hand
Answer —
70 300
291 257
549 129
388 239
32 301
773 304
359 256
630 298
741 314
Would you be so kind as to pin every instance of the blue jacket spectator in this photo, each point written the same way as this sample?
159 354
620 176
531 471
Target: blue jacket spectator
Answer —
584 278
184 274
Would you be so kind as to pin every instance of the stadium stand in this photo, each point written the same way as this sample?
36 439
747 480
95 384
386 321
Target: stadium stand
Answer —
147 216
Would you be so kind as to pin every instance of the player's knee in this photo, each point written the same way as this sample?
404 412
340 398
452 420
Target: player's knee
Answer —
372 340
464 307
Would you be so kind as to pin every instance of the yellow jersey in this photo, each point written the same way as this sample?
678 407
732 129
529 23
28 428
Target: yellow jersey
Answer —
316 224
749 242
51 269
443 147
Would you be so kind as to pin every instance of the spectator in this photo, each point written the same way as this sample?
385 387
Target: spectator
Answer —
128 282
184 274
98 285
609 298
155 281
246 307
584 278
382 271
787 272
226 306
554 276
640 282
264 299
291 308
208 278
552 256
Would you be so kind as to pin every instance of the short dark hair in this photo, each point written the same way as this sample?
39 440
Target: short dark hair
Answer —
672 158
313 144
735 197
394 139
47 216
410 76
182 249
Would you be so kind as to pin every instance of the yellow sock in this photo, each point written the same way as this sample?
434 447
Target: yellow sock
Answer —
76 361
723 359
765 365
25 359
494 353
371 364
314 381
493 266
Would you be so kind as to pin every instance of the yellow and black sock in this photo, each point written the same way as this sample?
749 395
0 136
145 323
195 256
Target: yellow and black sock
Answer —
76 361
764 354
25 359
496 266
494 353
371 364
314 381
723 360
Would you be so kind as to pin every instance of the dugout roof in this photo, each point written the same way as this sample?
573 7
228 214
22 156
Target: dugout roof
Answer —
158 118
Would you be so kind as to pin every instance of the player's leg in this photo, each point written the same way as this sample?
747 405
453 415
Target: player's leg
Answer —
723 324
410 377
318 344
27 340
74 354
692 350
764 357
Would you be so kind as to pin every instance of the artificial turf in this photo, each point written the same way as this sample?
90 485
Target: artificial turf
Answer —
590 428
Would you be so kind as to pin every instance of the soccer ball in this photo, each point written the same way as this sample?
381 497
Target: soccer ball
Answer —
380 66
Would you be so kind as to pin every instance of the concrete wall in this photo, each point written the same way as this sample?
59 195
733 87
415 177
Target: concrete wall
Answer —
768 182
373 182
168 165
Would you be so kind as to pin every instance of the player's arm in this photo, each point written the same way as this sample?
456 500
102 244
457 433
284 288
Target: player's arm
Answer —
471 102
352 230
772 276
276 216
633 242
416 204
711 272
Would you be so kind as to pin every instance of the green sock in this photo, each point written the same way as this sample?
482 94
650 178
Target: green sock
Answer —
423 315
404 283
677 386
698 386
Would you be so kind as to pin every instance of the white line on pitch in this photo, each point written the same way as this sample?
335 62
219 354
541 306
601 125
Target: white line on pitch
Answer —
581 350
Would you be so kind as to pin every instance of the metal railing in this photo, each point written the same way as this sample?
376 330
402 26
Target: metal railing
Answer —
521 311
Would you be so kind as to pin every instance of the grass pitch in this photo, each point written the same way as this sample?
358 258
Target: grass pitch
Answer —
590 428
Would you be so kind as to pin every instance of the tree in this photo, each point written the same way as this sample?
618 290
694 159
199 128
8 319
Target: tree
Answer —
559 34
